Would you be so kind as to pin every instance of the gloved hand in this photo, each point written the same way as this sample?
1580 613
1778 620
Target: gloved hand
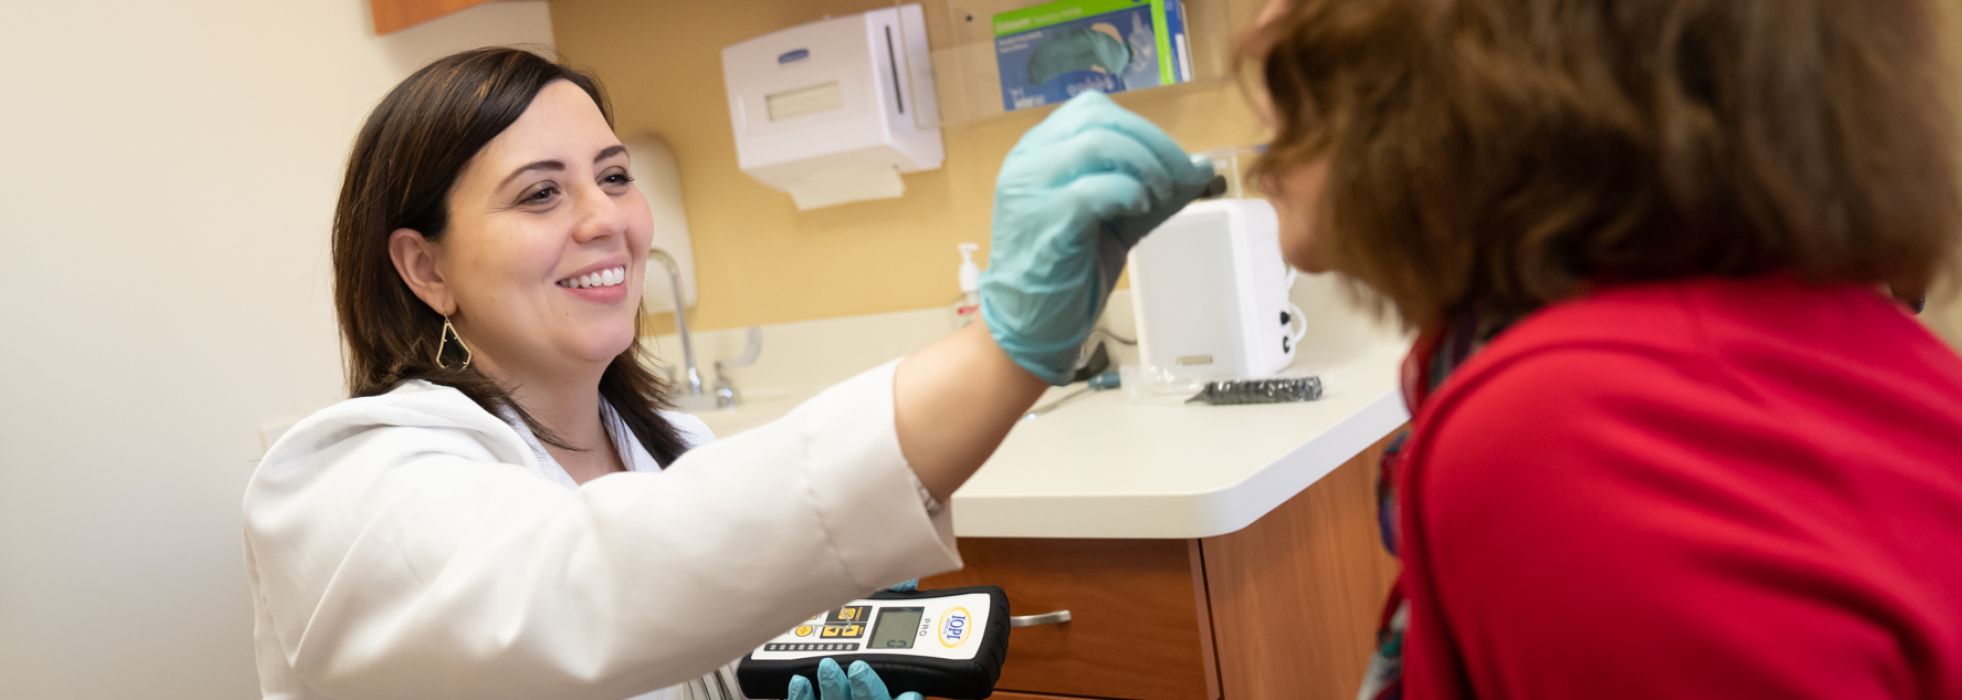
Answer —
907 586
1073 196
834 683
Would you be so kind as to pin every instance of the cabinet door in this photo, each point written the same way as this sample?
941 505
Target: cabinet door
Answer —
1296 596
1137 628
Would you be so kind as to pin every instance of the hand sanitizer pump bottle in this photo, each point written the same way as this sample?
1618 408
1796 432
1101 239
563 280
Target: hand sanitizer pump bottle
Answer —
969 307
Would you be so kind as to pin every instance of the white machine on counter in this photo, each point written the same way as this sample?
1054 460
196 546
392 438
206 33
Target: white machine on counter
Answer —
833 111
1209 290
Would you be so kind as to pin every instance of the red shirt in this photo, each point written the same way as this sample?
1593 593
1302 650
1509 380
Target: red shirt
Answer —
1702 489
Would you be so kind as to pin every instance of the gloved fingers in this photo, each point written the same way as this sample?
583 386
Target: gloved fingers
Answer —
800 689
1110 196
909 696
1106 150
866 684
907 586
1083 108
1075 114
1092 109
832 682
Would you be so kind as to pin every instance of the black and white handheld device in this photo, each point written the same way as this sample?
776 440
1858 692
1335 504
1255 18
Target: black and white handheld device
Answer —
947 643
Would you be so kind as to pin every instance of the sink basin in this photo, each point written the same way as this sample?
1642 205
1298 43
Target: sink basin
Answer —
750 412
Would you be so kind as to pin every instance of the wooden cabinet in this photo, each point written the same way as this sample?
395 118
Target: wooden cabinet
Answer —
1286 607
1137 621
392 15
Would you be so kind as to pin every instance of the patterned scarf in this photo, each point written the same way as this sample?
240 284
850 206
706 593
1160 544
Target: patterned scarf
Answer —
1434 356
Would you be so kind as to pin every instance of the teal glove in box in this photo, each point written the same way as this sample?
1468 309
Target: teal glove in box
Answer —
1050 52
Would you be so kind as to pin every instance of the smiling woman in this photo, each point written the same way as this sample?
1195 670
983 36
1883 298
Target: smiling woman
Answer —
471 241
503 508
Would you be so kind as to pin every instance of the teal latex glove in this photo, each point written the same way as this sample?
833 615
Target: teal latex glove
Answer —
1081 49
834 683
1073 196
907 586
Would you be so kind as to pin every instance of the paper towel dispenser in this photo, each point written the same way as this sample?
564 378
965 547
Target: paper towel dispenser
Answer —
833 111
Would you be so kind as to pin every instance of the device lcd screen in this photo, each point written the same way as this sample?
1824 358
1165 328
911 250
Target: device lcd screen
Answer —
897 628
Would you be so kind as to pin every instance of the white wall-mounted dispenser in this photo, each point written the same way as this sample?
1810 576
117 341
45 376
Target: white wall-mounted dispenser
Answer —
659 179
833 111
1209 290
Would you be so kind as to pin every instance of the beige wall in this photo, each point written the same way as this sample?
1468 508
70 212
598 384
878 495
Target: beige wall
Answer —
757 258
1944 312
169 173
761 261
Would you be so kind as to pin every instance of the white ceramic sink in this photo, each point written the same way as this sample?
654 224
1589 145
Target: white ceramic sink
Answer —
751 411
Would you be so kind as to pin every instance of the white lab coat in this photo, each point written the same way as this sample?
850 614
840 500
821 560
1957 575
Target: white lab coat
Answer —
413 545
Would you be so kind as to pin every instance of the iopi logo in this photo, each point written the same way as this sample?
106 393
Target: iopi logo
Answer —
954 628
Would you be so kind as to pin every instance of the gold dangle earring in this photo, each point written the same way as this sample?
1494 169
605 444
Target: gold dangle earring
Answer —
443 340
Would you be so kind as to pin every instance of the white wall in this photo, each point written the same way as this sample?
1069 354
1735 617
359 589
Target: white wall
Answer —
168 172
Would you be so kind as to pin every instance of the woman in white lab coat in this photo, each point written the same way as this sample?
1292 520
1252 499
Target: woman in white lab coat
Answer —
503 509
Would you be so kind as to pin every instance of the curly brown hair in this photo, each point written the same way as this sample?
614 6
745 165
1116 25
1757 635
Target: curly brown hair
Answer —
1500 155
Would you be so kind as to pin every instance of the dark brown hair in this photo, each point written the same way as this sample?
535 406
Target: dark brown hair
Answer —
404 162
1499 155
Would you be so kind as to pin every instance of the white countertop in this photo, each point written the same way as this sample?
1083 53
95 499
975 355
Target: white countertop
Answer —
1102 466
1105 466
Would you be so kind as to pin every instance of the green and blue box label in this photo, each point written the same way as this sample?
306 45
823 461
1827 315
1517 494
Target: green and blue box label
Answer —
1050 52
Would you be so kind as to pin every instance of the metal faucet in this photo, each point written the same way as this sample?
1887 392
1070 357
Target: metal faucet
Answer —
725 391
694 397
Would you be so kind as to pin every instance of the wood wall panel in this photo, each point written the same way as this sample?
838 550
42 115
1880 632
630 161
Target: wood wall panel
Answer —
393 15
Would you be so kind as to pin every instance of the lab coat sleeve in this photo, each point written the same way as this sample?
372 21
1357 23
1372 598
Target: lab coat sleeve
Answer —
406 562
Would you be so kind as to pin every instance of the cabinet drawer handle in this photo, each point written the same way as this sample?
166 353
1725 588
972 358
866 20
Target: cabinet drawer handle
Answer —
1049 618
